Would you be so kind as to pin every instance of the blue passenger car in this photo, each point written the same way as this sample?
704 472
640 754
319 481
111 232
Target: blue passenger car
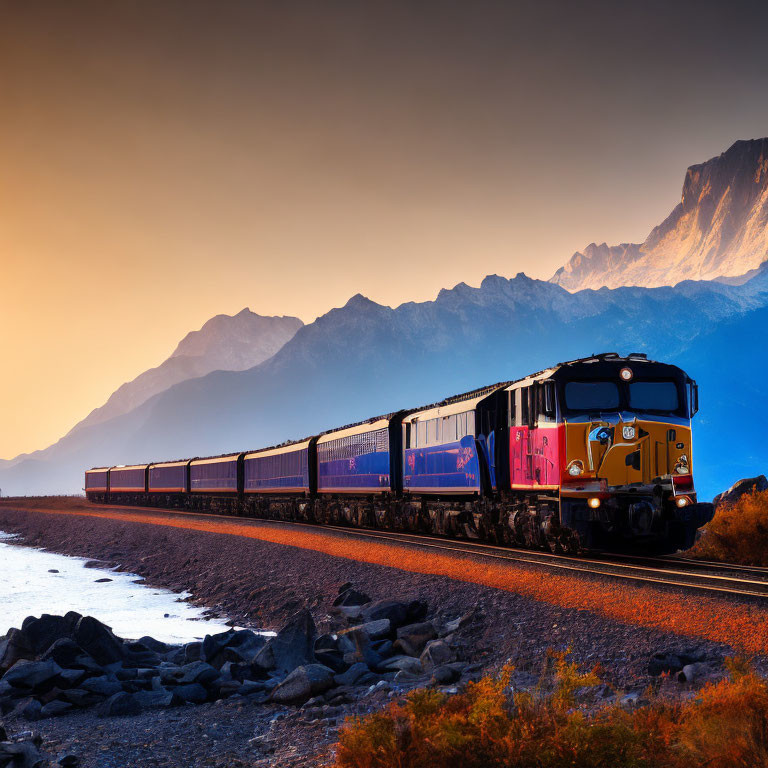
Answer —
278 470
439 450
355 459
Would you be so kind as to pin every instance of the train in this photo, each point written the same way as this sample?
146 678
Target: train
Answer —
591 454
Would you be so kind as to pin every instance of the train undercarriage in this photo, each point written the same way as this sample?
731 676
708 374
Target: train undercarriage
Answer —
534 521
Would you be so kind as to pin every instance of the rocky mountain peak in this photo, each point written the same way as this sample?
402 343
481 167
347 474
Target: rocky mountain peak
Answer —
718 230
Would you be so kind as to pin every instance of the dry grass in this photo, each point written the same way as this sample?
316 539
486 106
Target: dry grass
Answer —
738 533
725 727
740 625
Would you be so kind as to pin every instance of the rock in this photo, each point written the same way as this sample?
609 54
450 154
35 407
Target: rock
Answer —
352 597
446 674
63 651
22 754
193 652
669 662
32 675
347 612
101 581
404 676
407 663
691 672
325 643
413 638
435 654
153 699
153 645
42 633
69 761
304 682
396 612
293 646
192 693
331 658
416 611
350 639
28 708
384 648
352 675
69 678
80 697
54 708
120 704
97 640
739 488
198 672
14 647
456 624
103 686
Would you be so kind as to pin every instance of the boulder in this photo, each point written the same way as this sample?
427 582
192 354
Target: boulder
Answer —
304 682
69 678
669 662
42 633
408 663
739 488
331 658
28 708
103 685
435 654
197 672
120 704
192 693
352 597
153 699
292 647
395 611
23 754
412 638
446 674
14 647
156 646
691 672
352 675
98 641
417 611
80 697
350 639
63 651
55 708
32 675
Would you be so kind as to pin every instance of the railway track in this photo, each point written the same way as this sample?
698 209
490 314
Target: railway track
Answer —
670 571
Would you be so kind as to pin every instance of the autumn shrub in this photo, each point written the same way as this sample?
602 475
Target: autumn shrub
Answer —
726 726
738 533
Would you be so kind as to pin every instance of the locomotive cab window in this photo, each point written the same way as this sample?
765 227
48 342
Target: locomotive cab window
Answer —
656 396
592 396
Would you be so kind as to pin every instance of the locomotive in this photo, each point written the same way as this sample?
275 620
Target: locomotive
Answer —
590 454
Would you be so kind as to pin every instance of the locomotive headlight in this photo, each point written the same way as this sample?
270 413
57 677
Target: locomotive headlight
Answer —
594 502
575 468
682 501
681 467
626 374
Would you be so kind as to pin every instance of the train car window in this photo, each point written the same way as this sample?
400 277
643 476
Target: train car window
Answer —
409 435
422 439
654 396
470 423
511 403
591 396
524 406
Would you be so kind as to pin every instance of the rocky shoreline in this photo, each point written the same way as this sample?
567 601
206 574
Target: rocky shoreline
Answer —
350 638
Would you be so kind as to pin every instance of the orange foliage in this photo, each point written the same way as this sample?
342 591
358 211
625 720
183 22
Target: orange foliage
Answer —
738 533
737 624
483 727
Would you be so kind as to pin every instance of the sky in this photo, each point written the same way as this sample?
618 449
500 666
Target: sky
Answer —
163 162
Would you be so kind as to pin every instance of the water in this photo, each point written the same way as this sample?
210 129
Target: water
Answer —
131 610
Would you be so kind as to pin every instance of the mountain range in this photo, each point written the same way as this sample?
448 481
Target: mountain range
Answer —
719 230
259 381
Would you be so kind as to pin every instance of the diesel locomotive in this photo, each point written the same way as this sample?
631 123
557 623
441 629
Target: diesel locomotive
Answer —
591 454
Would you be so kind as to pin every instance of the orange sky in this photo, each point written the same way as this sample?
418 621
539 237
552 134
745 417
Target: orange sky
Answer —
165 162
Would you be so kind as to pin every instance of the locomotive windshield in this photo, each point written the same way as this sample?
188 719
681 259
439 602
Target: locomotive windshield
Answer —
600 396
653 396
591 396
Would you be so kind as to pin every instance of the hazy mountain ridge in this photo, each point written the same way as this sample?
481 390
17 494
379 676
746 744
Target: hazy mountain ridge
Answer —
364 358
718 230
224 343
